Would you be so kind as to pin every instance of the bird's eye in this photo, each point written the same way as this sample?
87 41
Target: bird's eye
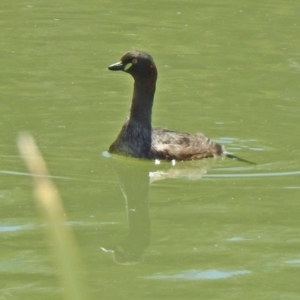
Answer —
134 61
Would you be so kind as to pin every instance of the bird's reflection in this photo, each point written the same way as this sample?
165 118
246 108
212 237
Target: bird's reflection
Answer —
135 177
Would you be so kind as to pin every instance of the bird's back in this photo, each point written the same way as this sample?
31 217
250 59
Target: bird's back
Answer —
169 145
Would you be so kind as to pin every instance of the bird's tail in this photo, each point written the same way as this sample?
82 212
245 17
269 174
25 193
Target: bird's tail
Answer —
231 156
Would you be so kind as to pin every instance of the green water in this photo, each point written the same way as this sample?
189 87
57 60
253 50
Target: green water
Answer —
211 230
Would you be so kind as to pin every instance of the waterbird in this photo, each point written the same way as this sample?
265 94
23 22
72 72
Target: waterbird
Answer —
138 139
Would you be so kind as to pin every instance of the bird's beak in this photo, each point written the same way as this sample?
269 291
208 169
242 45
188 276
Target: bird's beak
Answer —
119 66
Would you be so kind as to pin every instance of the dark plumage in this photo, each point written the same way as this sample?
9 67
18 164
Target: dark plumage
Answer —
137 138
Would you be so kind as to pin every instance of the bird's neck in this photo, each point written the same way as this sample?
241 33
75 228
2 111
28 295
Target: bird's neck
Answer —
142 101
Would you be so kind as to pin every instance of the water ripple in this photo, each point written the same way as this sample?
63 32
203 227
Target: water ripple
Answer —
270 174
198 275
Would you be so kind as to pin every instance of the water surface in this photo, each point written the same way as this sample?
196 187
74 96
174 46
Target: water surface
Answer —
218 229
